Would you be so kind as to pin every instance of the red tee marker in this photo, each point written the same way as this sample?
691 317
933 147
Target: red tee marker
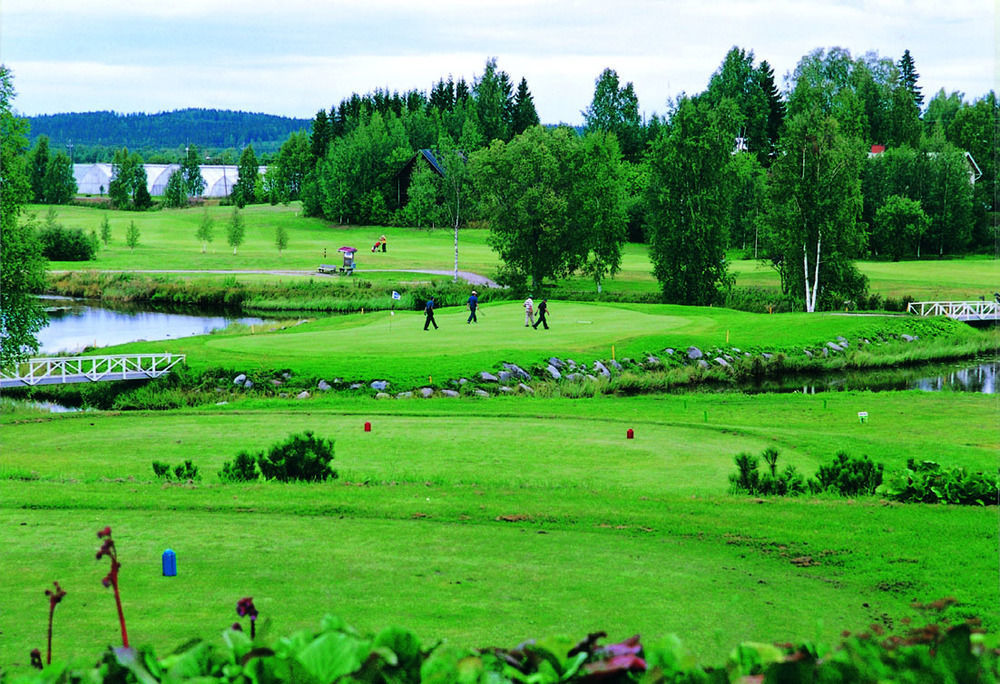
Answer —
368 426
630 434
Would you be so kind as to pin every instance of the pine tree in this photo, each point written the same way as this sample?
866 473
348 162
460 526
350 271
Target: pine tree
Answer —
525 116
319 141
132 235
39 166
105 230
775 105
908 74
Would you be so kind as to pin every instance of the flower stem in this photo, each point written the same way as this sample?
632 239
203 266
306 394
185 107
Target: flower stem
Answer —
121 615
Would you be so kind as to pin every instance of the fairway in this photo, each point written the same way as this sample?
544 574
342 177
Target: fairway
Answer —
167 241
490 522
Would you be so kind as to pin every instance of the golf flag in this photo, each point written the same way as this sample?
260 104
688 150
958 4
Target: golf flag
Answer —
395 295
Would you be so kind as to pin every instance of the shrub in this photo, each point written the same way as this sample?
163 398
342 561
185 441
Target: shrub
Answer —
927 482
748 478
181 472
66 244
161 470
850 476
302 457
242 469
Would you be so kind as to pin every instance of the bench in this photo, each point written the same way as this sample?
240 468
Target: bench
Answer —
329 269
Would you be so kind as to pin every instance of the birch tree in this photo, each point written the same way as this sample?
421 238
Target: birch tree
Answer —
814 233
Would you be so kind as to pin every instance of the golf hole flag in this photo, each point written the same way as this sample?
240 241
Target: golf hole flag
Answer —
395 295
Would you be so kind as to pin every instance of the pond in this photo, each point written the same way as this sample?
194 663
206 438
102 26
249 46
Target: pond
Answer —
75 324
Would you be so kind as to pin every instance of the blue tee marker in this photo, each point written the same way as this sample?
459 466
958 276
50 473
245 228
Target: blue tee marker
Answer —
169 563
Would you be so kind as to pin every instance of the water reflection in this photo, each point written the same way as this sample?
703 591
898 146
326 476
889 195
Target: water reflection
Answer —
76 324
977 375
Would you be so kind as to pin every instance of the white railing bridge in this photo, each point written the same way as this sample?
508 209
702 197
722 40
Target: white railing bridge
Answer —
962 311
54 370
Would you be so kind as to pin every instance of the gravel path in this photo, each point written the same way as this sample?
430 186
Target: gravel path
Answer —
472 278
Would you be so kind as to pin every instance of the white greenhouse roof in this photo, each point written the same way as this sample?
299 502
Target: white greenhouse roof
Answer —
93 179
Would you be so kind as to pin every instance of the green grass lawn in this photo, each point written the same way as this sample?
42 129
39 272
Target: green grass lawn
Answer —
491 522
395 346
167 241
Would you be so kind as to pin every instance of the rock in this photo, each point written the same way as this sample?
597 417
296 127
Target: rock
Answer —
826 352
356 385
382 395
574 377
737 350
702 363
524 388
614 364
808 353
553 371
694 353
248 384
842 340
287 375
506 390
240 379
517 371
909 338
338 381
324 386
487 377
721 361
449 393
767 355
505 376
571 363
380 385
746 354
404 395
728 358
462 381
556 362
427 392
276 383
221 403
670 351
602 369
652 360
591 377
302 395
481 393
834 346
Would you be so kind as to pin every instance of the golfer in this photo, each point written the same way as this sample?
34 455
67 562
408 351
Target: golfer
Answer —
473 305
543 310
429 314
529 312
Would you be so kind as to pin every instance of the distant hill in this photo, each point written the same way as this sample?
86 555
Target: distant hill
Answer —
92 134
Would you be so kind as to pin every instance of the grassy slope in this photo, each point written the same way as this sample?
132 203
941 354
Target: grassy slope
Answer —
168 242
606 533
381 345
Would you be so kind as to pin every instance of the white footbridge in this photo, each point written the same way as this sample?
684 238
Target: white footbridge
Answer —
62 370
968 312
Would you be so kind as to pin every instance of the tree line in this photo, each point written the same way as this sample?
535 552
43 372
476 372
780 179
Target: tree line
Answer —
846 162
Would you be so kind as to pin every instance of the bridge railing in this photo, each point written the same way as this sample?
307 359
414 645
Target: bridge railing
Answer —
52 370
974 310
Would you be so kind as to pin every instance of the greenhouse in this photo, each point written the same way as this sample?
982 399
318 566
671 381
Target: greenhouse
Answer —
93 179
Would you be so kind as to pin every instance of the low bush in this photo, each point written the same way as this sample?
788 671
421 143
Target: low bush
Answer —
182 472
849 476
928 482
748 479
241 469
66 244
302 457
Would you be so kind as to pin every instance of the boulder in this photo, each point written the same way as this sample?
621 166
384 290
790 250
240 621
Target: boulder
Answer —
248 384
380 385
669 351
843 340
462 381
404 395
574 377
505 376
571 363
324 386
449 393
652 360
767 355
302 395
807 353
487 377
506 390
834 346
276 383
553 371
721 361
702 363
737 350
909 338
427 392
240 379
481 393
382 395
517 371
556 362
524 388
602 369
694 353
614 364
356 386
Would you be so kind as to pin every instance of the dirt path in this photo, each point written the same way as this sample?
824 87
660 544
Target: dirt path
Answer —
472 278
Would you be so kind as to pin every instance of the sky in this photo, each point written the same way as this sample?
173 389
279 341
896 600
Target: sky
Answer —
295 57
